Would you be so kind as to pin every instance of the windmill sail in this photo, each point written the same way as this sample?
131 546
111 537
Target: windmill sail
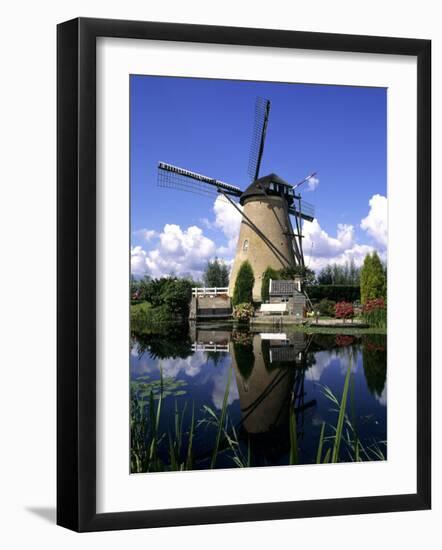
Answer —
303 209
262 110
175 177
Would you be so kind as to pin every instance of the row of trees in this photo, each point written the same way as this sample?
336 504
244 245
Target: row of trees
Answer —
175 292
339 274
216 274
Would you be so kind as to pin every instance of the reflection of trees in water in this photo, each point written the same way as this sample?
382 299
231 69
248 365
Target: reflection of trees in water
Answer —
167 342
215 357
374 356
244 357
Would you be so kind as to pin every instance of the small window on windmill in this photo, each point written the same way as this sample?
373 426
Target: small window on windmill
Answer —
245 245
272 186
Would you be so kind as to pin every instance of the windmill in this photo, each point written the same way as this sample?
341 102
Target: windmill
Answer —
267 237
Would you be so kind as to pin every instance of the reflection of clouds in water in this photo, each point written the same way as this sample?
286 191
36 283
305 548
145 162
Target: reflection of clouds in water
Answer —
219 387
348 356
190 366
134 350
382 399
323 360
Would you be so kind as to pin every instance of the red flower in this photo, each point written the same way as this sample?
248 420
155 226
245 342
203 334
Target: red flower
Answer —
344 310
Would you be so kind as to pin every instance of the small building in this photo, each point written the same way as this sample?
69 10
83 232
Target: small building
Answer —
290 293
210 303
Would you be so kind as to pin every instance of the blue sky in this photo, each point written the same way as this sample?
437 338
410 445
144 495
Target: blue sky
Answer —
206 125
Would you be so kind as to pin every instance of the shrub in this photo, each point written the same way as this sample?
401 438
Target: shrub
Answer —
344 310
245 280
243 312
374 313
373 278
268 274
326 307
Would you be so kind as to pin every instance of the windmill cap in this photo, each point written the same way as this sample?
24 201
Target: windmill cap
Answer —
256 188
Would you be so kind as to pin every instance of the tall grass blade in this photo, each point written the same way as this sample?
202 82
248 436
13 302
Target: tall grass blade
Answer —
327 456
189 445
320 445
221 421
293 459
341 417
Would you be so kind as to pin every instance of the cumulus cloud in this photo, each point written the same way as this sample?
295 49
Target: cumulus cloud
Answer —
146 234
320 248
323 244
375 224
138 261
182 252
228 219
312 183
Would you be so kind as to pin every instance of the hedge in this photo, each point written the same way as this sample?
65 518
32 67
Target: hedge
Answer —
337 293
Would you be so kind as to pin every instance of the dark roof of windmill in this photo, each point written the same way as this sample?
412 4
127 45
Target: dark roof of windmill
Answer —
283 288
256 187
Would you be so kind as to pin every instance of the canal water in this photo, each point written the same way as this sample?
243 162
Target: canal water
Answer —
272 375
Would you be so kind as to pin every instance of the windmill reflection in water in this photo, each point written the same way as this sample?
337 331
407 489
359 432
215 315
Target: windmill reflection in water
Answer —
269 370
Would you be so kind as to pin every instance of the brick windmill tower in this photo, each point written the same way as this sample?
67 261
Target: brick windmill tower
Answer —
267 237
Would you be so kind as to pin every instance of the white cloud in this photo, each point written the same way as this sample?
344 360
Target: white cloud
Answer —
375 224
228 219
322 244
138 261
321 249
219 387
182 252
312 183
190 366
323 360
382 399
146 234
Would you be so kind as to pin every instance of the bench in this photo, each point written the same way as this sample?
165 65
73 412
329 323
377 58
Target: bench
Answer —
274 308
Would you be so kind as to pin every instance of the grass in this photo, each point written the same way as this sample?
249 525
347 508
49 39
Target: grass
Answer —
342 329
337 442
343 438
144 317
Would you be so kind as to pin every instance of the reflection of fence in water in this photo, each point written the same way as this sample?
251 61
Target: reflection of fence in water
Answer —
222 348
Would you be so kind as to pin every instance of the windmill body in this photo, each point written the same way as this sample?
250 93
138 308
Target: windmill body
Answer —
266 232
267 236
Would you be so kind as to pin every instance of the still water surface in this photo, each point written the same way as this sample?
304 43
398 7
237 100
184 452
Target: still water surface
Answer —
271 372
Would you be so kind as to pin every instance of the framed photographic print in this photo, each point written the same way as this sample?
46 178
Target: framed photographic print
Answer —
243 270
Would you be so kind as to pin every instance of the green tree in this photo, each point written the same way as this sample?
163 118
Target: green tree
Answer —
245 280
373 278
339 274
216 274
268 274
290 272
176 296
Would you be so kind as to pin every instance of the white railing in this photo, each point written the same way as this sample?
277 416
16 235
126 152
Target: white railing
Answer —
204 291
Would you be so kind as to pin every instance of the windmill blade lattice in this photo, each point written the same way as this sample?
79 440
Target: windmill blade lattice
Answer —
262 110
175 177
305 210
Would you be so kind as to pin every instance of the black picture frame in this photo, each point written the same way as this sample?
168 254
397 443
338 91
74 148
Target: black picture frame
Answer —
76 274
